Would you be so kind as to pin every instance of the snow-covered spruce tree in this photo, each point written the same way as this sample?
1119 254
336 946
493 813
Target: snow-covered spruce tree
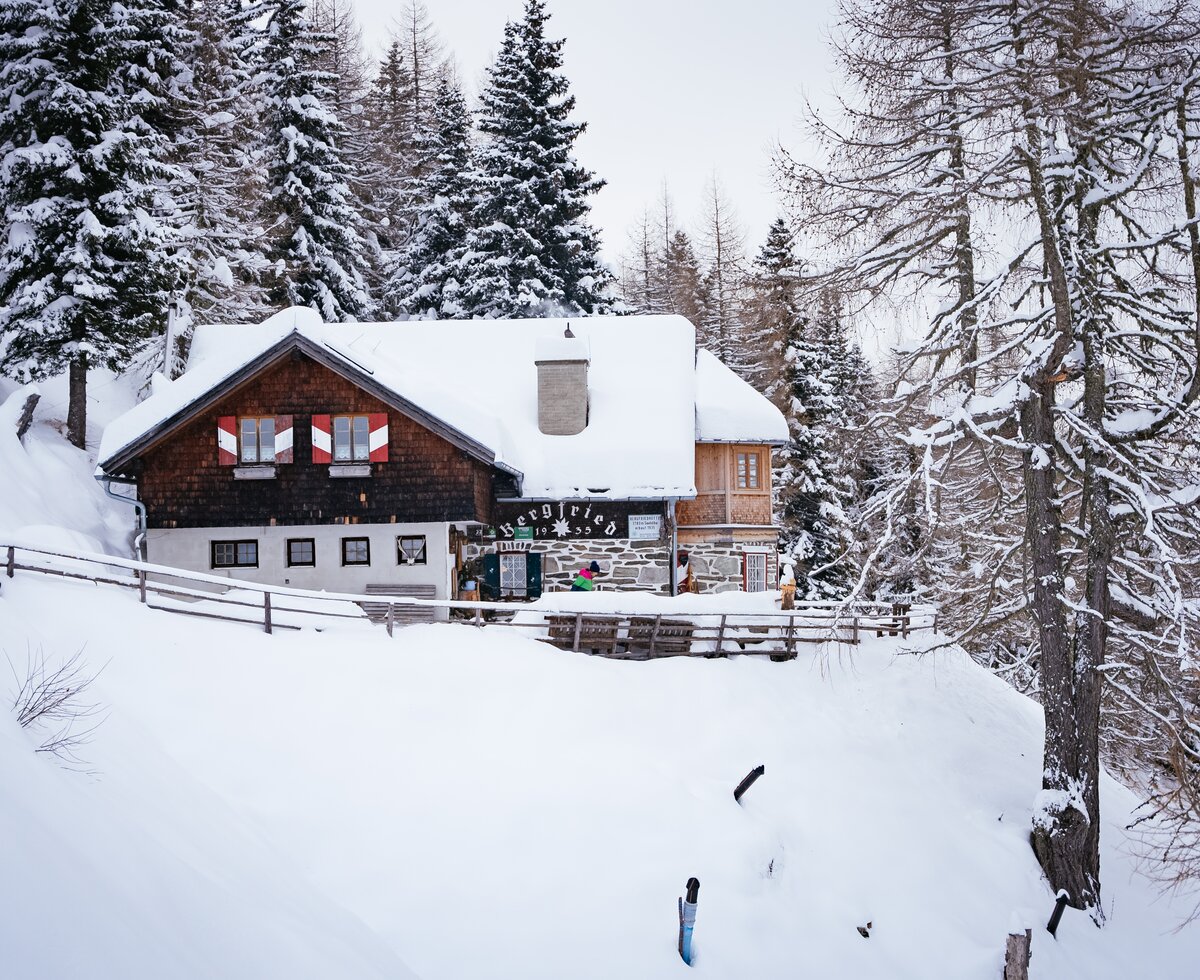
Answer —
86 271
531 247
221 180
1074 354
422 283
318 253
771 306
812 514
723 243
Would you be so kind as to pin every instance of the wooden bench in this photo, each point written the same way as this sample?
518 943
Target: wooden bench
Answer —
660 637
402 613
584 631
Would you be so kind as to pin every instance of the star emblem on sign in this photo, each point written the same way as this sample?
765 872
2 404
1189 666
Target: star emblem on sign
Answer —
562 528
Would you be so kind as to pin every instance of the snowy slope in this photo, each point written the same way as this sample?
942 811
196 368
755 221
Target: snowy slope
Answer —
492 807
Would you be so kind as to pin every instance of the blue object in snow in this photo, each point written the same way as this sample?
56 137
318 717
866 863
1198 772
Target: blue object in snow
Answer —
687 919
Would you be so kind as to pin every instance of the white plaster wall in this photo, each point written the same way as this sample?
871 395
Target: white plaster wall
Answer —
190 548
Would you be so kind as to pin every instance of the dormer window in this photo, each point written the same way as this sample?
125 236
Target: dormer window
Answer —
256 440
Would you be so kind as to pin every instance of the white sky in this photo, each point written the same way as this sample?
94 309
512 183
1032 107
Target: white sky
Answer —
671 90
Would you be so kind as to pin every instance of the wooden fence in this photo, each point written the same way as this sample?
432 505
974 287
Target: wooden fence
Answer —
623 635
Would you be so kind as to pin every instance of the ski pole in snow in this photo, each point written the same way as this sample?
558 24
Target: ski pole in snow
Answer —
746 783
687 919
1060 903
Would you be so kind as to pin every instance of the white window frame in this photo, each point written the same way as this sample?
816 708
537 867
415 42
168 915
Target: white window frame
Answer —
752 561
510 561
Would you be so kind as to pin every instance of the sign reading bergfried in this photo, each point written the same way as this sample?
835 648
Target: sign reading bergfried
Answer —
566 519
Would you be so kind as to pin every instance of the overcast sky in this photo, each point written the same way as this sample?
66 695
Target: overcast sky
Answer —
670 89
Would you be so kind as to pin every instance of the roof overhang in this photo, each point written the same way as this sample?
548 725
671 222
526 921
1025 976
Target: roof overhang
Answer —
340 364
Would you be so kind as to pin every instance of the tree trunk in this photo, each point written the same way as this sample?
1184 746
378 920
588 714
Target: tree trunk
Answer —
77 406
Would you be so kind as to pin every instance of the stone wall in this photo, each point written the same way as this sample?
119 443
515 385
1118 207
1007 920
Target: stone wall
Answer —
624 565
638 565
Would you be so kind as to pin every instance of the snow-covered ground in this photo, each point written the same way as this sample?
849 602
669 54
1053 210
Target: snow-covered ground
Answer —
462 803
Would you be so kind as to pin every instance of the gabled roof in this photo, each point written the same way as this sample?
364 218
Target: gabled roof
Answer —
730 410
474 382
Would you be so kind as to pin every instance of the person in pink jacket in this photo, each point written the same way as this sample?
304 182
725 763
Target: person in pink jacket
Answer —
584 581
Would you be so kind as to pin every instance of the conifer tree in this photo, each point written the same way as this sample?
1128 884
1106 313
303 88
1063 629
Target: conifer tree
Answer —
723 240
317 248
222 183
422 283
86 270
531 247
773 282
815 527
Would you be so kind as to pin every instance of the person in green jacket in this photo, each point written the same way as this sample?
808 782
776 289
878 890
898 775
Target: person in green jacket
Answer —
584 579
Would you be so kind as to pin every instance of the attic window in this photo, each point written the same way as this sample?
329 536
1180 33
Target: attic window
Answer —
351 438
256 440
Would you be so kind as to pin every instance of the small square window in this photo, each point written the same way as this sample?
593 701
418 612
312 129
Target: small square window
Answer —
301 551
411 550
356 551
235 554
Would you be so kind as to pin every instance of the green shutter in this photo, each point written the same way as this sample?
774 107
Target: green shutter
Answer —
491 578
533 575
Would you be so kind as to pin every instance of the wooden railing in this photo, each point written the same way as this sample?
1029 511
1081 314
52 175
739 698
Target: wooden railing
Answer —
681 631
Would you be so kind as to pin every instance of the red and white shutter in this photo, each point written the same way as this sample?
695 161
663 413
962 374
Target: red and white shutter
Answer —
283 439
227 446
322 441
379 438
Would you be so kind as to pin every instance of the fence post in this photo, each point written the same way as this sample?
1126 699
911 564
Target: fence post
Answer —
391 617
854 629
721 635
267 611
479 617
142 583
654 634
12 560
1016 955
578 630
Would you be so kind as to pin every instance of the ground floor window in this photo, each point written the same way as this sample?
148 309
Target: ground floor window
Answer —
301 551
235 554
356 551
513 575
754 571
411 549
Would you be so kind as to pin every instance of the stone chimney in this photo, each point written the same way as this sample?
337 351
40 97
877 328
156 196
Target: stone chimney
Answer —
562 380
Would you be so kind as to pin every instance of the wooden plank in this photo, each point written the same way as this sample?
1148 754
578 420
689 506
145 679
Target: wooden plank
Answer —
1016 955
224 619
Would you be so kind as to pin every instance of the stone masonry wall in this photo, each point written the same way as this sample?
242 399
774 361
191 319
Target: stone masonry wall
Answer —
637 565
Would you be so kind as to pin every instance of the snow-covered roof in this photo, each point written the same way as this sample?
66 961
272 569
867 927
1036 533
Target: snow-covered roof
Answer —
479 378
730 410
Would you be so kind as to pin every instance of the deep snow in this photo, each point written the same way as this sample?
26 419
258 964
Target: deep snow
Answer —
472 803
